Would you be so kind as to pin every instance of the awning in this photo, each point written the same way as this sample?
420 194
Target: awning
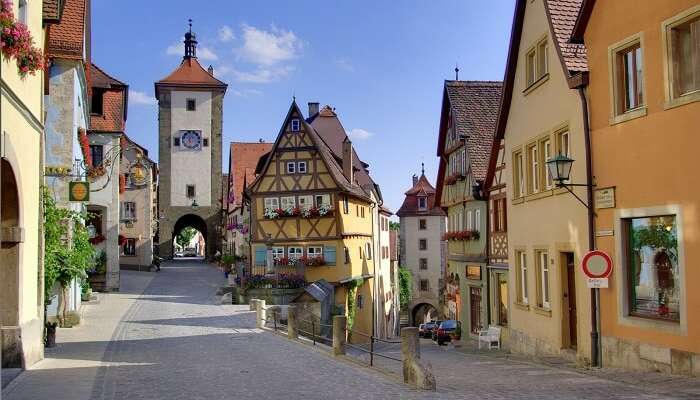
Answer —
355 278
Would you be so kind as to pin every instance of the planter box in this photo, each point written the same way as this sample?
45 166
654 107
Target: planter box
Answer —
98 282
271 296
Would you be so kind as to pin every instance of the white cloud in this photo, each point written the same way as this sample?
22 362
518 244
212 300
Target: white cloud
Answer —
246 93
359 134
226 34
262 75
141 98
344 64
268 47
203 52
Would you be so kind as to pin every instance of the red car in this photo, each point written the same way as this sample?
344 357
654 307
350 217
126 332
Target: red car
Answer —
447 331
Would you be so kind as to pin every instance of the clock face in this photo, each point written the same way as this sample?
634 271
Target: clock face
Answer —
191 140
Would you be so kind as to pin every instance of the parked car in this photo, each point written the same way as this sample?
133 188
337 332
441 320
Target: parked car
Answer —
427 330
190 252
447 331
179 254
433 332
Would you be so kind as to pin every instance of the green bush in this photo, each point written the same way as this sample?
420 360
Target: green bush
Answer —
404 286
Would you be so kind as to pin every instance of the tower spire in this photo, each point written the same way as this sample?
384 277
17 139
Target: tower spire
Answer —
422 168
456 72
190 43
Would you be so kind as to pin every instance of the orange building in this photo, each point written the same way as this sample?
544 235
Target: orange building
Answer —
644 98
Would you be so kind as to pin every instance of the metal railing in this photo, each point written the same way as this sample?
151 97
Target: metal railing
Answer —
371 351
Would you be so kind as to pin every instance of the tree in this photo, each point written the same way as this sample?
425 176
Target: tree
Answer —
185 236
404 287
394 226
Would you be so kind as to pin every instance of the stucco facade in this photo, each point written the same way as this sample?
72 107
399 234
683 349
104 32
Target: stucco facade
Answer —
645 156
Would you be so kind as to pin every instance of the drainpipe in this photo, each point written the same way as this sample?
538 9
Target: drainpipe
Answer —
595 293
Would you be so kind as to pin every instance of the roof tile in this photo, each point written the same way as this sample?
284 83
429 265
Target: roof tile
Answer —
563 15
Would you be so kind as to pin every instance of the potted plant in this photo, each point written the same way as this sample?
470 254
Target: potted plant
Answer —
85 290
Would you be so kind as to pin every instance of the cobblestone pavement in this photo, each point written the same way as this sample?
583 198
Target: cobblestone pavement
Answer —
164 336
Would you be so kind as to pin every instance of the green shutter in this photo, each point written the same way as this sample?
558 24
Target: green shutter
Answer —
260 255
329 255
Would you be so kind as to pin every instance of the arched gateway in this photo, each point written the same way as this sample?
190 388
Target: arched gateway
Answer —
190 109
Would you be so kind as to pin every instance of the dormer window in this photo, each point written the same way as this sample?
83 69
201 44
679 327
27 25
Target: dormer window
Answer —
295 125
97 101
422 203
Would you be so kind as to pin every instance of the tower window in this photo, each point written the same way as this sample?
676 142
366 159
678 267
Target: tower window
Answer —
191 105
97 101
176 142
205 142
295 125
191 192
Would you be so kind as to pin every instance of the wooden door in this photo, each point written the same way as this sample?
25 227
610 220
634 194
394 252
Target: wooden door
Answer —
475 309
571 290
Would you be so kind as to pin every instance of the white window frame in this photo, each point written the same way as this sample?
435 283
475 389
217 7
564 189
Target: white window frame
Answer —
277 252
534 169
272 202
543 260
520 173
470 220
301 167
324 199
23 11
291 167
306 201
522 266
287 201
477 220
295 252
422 203
295 125
674 99
314 251
129 211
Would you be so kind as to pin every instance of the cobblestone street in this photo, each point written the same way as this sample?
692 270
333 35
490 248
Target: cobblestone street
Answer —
164 336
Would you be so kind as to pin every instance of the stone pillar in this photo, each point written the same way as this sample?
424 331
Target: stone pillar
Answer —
414 372
292 322
253 304
260 314
340 323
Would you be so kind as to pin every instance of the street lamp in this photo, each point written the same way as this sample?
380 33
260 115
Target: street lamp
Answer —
559 168
195 206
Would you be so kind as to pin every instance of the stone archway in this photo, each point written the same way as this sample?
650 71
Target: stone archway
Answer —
423 310
10 287
194 221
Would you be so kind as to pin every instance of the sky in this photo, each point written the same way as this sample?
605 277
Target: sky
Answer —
381 64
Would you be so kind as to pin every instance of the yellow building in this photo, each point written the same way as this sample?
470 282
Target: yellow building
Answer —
312 203
21 130
541 116
644 96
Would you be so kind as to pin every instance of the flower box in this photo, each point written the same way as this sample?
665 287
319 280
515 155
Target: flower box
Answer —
461 235
454 178
306 212
16 42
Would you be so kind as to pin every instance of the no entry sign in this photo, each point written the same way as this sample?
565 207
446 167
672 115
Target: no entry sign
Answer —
597 266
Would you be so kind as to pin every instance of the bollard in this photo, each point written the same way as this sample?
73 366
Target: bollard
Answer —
252 303
292 322
415 373
340 323
260 314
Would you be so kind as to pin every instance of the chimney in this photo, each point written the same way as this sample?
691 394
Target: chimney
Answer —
211 70
313 109
415 179
348 168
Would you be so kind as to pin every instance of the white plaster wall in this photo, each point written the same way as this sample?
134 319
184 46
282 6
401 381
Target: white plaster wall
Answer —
433 234
190 167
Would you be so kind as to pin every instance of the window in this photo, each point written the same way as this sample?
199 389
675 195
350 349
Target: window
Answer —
522 276
94 221
424 285
295 253
683 43
422 224
205 142
322 199
423 244
470 220
422 203
291 167
563 144
191 105
346 205
301 167
477 220
368 250
362 211
176 141
272 202
627 79
534 169
501 292
190 191
536 62
129 247
295 125
347 255
518 174
306 201
287 202
546 155
474 272
277 253
97 154
22 11
500 215
543 281
315 251
97 101
653 273
423 263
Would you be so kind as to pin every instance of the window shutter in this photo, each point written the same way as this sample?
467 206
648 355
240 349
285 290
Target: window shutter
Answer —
260 256
329 255
121 210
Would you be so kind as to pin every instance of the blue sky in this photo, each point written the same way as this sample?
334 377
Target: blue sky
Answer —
381 64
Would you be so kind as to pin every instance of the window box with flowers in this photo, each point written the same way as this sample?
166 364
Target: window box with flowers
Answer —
461 235
454 178
306 212
16 42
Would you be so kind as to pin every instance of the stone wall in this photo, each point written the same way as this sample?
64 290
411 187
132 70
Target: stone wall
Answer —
619 353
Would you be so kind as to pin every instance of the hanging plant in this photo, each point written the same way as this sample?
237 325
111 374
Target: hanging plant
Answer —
85 147
352 300
16 42
122 183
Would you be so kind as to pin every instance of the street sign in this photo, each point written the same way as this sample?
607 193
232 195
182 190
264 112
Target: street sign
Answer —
597 266
605 198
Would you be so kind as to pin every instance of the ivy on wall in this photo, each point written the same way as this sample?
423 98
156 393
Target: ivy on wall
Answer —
352 300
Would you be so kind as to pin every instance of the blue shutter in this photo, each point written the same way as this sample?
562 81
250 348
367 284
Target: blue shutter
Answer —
260 256
329 255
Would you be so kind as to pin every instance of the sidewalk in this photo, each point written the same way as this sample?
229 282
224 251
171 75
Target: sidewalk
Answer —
76 358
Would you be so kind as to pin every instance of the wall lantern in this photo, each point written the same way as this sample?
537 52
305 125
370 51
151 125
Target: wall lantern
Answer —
560 168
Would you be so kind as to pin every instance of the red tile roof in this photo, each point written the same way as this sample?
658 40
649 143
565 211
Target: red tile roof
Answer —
562 15
114 102
69 38
393 244
243 160
410 202
52 10
190 73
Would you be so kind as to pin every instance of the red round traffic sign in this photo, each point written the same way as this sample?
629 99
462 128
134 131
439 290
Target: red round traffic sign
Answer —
597 264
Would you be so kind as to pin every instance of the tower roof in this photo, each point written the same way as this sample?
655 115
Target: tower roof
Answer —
421 188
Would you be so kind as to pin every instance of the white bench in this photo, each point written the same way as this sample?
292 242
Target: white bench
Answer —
490 336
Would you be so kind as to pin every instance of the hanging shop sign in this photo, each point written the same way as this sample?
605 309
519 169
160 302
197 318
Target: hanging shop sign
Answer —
78 191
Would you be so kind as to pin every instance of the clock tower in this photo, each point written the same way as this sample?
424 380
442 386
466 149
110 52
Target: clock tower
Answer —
190 117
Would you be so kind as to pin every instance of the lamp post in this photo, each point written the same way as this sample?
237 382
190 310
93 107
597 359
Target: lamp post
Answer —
195 205
560 170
